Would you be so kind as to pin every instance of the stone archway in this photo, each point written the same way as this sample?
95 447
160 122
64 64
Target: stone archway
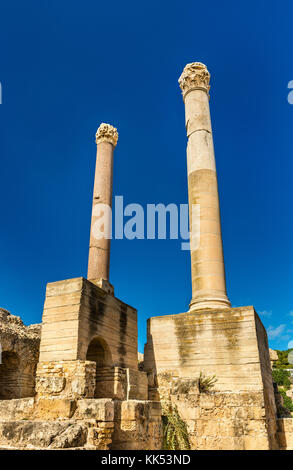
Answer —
10 383
99 352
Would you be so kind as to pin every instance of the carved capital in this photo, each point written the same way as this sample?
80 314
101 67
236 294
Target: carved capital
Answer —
194 76
107 133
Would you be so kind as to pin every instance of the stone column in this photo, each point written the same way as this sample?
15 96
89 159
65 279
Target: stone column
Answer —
207 261
99 252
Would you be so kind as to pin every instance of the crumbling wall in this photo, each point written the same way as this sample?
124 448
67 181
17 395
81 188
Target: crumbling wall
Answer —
19 348
70 379
57 424
217 420
77 379
100 424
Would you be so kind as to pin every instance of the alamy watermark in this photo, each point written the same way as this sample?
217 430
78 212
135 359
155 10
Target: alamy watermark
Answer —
150 223
290 94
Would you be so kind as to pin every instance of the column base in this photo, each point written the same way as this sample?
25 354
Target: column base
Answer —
231 344
214 303
104 284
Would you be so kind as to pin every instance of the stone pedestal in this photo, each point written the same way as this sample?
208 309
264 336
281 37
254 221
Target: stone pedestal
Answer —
232 345
88 344
76 312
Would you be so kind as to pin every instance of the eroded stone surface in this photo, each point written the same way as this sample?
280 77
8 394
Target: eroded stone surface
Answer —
87 423
19 345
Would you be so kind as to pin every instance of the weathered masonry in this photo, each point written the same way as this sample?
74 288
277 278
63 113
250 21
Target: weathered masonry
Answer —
19 353
74 382
88 390
212 338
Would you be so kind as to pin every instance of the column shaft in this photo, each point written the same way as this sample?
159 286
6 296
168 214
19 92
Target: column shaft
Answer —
99 251
207 261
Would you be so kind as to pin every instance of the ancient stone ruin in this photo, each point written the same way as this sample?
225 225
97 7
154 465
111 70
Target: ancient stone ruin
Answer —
76 381
19 354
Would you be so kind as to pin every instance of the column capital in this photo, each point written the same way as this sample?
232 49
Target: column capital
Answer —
107 133
194 76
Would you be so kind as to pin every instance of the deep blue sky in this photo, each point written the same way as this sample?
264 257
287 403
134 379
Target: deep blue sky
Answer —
66 66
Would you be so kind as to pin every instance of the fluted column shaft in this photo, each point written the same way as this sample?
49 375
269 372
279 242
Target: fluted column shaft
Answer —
99 251
207 261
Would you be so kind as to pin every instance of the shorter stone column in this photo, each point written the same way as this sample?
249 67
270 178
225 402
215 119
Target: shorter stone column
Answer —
99 252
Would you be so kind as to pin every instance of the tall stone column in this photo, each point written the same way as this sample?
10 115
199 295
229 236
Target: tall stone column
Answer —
207 261
99 251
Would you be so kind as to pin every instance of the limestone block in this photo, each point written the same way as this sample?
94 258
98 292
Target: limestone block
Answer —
101 409
20 351
54 408
71 379
137 385
31 433
100 438
51 385
73 436
256 443
22 408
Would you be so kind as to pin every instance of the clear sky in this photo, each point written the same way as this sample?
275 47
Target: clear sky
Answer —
67 66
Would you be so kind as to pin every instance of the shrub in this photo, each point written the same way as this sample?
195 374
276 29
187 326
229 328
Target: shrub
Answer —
282 362
205 384
175 434
282 378
287 400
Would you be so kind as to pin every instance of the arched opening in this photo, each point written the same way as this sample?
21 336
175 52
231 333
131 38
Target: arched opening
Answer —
99 352
10 386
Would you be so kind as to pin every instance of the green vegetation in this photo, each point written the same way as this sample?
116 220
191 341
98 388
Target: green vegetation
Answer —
288 403
205 384
282 378
175 434
282 362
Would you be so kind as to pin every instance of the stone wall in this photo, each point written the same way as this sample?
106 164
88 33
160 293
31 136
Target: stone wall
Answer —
57 424
123 384
80 379
225 421
268 389
19 352
137 385
285 433
137 425
218 420
232 345
71 379
111 382
100 424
